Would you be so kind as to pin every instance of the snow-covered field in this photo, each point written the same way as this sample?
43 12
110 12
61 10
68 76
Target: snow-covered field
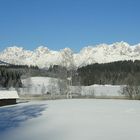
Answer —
75 119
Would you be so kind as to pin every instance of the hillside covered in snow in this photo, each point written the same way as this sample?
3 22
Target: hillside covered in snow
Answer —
43 57
42 86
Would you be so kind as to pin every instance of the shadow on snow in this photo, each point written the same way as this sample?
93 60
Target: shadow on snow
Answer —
11 117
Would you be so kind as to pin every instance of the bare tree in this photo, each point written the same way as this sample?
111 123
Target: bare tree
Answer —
43 89
90 91
62 86
131 90
68 62
27 85
52 87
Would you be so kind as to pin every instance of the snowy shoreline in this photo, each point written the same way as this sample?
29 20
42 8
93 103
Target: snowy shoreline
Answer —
60 97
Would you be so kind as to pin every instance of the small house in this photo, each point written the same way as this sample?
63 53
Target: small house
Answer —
8 97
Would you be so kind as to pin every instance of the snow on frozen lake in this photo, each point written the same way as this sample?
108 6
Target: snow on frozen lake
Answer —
75 119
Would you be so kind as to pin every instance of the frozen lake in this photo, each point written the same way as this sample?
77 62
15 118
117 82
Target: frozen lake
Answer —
75 119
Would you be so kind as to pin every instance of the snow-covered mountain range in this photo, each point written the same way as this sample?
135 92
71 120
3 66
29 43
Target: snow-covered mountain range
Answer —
43 57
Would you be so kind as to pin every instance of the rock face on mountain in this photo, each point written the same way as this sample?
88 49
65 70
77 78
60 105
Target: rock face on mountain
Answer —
43 57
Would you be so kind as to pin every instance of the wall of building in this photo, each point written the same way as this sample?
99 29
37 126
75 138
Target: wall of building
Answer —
4 102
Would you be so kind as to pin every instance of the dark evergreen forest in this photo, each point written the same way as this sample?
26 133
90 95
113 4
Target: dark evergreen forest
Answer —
10 75
115 73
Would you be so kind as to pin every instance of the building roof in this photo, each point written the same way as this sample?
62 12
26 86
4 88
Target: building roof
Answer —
6 94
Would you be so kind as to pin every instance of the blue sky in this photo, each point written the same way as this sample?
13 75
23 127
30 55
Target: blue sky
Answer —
68 23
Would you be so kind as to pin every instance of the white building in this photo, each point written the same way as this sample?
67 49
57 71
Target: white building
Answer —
8 97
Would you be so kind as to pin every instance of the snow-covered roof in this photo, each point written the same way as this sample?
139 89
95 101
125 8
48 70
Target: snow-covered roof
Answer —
5 94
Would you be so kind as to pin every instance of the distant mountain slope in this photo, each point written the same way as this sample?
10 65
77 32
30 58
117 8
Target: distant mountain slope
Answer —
43 57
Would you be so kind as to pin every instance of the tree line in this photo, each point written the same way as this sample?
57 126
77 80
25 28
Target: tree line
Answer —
115 73
10 75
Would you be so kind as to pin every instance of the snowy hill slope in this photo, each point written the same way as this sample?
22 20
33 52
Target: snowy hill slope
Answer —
43 57
42 85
